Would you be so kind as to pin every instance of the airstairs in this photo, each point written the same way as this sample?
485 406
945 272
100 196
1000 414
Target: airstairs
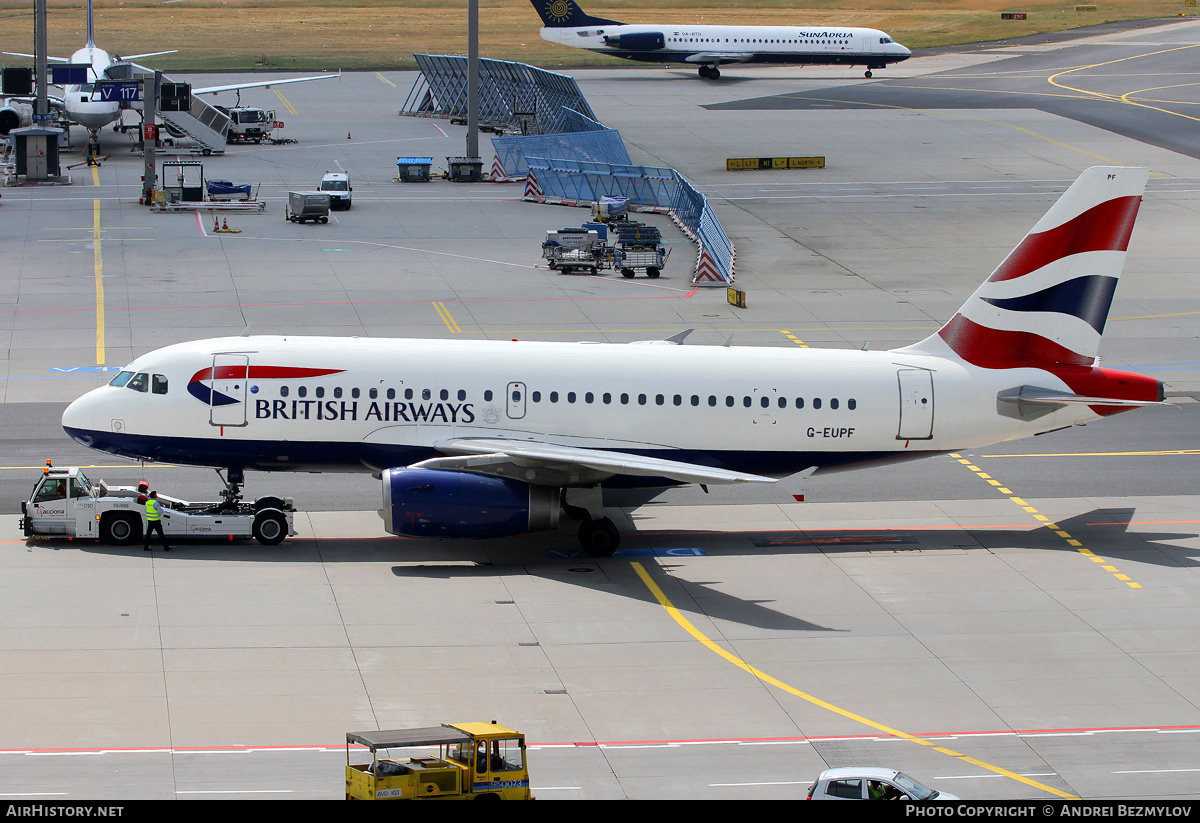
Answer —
205 124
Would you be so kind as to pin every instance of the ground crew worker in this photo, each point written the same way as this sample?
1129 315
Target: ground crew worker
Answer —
154 522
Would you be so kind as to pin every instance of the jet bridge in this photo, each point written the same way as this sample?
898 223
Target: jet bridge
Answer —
206 124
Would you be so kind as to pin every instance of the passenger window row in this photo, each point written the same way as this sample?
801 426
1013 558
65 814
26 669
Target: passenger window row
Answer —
678 400
587 398
337 393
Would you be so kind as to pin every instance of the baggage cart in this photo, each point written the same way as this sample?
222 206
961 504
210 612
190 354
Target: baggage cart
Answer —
573 250
649 259
225 190
303 206
608 209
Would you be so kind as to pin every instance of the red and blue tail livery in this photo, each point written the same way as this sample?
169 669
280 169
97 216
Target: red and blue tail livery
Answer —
484 439
1048 301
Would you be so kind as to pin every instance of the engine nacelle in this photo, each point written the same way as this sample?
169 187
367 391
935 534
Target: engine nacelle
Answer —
437 503
639 41
14 116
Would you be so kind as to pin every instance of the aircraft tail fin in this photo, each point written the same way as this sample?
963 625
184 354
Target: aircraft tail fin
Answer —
565 14
1048 302
91 29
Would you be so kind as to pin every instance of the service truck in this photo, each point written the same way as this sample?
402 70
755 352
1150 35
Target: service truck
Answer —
484 761
64 503
249 125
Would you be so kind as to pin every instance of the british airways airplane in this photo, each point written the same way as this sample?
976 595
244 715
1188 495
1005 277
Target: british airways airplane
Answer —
491 439
710 47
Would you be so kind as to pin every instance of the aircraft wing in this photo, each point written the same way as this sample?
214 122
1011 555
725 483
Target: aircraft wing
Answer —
118 58
719 57
500 457
34 57
264 83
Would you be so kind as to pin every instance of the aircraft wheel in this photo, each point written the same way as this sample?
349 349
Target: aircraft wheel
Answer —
270 527
599 538
121 529
869 74
714 74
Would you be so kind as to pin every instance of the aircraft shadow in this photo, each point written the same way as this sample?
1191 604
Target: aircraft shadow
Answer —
557 557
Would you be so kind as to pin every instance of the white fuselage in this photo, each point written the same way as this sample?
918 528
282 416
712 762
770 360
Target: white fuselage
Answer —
78 102
358 404
811 45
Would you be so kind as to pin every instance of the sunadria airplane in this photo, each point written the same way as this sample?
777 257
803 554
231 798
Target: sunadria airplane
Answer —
81 103
710 47
491 439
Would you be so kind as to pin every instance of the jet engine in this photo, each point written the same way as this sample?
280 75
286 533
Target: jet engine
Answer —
14 116
639 41
441 503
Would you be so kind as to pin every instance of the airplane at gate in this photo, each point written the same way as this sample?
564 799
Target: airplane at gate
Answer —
80 103
710 47
491 439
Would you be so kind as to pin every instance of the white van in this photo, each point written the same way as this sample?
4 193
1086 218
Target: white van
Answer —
338 187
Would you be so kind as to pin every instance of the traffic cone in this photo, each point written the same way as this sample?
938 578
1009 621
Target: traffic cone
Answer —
216 224
347 135
224 225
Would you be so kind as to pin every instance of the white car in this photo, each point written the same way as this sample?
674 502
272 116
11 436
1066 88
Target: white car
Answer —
871 783
338 187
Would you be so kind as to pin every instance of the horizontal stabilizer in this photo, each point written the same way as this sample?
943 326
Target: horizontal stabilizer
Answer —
1057 398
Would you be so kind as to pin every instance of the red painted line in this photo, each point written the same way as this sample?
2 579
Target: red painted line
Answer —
111 309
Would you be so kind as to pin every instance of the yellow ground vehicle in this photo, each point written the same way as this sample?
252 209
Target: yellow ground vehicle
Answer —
474 761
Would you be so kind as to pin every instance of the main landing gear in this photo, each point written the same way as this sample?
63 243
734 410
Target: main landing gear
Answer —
598 536
710 72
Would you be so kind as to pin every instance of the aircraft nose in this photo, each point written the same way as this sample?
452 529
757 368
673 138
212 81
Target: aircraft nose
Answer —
79 418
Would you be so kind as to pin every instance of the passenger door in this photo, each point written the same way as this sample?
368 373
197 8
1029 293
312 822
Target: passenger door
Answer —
916 404
227 400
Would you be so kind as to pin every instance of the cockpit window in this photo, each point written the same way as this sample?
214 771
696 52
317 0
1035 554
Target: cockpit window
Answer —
139 382
121 379
158 384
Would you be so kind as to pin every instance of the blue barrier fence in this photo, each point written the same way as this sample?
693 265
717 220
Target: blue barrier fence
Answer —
602 146
514 95
574 157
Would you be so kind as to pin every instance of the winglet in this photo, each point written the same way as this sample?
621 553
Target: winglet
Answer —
796 483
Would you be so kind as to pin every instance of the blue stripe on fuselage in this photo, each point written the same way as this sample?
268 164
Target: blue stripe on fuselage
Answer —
336 456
